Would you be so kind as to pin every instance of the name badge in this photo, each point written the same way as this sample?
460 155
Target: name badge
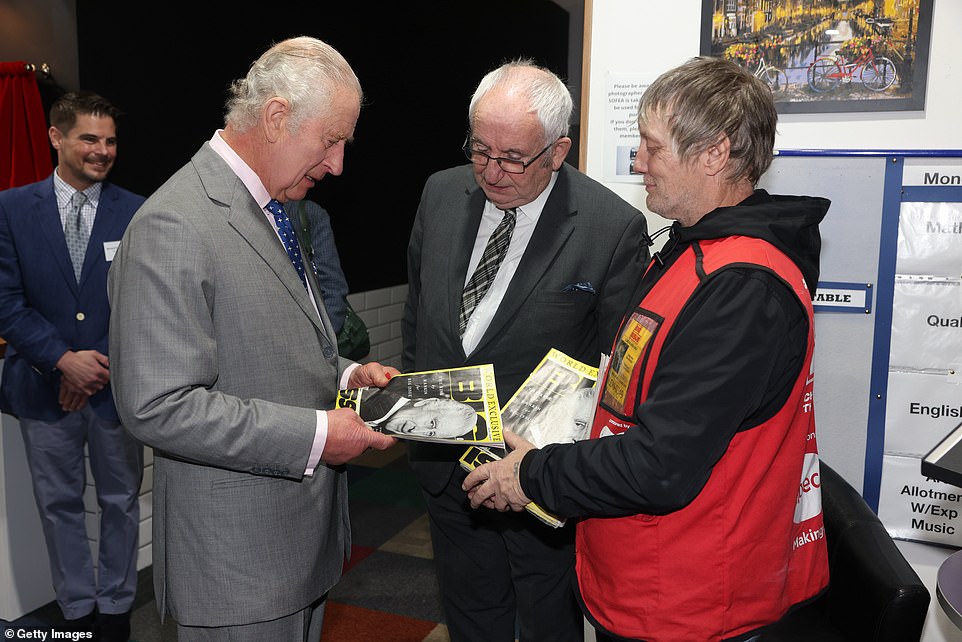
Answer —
110 248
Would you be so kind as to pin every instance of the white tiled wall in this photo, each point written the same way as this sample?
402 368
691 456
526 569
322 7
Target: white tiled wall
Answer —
381 312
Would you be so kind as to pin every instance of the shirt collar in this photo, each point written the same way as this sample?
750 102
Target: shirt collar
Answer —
65 191
247 176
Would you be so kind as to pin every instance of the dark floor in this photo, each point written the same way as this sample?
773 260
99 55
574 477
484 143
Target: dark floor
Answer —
391 549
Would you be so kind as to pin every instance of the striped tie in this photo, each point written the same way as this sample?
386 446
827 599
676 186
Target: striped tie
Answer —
487 268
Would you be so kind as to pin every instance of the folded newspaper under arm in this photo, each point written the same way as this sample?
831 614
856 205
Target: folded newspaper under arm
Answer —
555 404
456 405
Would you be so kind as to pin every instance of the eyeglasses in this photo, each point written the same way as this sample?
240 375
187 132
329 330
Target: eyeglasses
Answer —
507 165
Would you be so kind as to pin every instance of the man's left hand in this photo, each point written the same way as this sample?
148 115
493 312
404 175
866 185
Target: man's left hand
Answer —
497 484
371 374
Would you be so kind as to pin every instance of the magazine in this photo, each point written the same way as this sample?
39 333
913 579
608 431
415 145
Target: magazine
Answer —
477 455
456 405
555 404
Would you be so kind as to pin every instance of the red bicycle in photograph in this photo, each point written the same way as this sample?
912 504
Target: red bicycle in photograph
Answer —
876 73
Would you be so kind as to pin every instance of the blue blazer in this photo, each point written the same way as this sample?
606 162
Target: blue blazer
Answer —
43 310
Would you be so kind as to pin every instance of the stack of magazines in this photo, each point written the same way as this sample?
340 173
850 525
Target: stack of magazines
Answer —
555 404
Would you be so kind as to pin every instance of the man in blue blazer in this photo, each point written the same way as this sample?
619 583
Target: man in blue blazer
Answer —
56 375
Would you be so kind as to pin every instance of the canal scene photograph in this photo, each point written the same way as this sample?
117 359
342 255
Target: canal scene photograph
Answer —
826 55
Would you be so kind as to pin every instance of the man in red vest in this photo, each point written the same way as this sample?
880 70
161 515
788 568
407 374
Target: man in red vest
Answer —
698 492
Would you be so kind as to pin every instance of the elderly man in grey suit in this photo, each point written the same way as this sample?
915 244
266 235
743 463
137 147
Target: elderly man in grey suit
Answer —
225 362
509 256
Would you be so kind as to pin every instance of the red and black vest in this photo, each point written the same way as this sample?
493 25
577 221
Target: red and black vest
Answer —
751 544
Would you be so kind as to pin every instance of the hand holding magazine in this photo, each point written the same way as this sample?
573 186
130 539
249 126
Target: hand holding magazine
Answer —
456 405
555 404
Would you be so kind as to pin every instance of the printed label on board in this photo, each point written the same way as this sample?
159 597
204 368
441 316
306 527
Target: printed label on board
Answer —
926 323
923 407
842 297
932 175
915 507
930 239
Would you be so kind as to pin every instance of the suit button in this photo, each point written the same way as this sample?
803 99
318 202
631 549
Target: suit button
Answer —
328 352
80 316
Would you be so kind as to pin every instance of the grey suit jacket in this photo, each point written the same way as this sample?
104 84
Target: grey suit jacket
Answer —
219 361
586 234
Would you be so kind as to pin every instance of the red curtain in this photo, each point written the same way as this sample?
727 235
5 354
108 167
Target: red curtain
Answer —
24 146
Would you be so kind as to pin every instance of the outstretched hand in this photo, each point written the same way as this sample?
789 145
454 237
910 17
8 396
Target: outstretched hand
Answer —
347 434
497 484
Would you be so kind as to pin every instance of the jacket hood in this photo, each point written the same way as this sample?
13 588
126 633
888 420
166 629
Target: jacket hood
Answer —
790 223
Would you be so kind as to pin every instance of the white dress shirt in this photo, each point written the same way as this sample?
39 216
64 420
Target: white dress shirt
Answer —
525 222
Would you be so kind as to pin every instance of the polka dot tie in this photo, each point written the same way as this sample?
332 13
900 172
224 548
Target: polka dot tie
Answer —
288 237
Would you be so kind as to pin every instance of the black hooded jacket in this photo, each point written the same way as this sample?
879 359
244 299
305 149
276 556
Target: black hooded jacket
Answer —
727 365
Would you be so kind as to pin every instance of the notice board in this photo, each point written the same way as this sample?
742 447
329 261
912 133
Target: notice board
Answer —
888 350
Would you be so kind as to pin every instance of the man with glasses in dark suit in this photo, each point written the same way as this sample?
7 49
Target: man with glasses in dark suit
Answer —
511 255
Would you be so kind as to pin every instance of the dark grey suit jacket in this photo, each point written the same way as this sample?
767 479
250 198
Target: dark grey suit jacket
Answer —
219 361
586 234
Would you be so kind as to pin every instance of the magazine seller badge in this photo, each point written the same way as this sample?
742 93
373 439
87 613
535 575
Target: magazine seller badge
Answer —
621 383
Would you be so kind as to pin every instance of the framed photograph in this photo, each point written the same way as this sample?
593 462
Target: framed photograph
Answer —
826 56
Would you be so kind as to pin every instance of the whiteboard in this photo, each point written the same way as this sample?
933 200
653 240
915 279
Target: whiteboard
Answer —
860 237
851 241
